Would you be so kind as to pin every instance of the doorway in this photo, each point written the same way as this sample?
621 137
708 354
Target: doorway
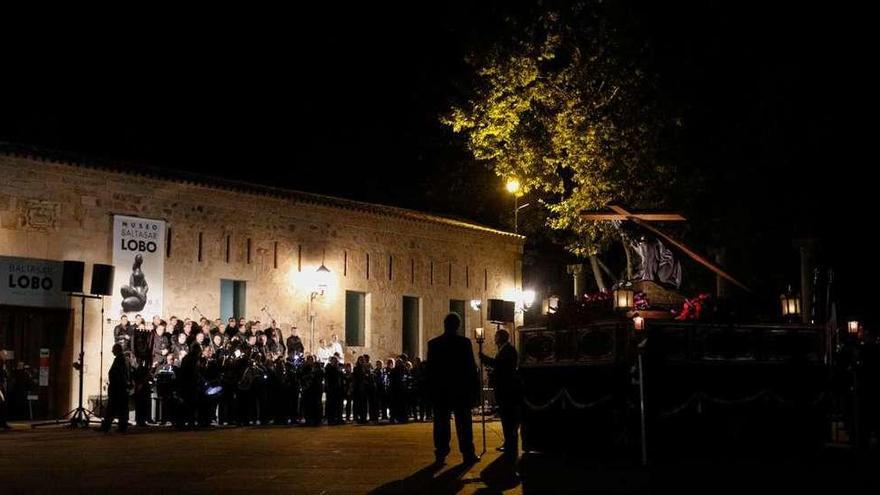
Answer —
30 334
457 306
233 294
411 331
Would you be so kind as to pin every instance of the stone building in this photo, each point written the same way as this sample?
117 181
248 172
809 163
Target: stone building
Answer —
236 249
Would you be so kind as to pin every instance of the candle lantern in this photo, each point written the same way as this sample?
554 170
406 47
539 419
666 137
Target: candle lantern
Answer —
623 298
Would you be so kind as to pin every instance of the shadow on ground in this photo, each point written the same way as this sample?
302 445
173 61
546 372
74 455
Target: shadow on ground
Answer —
426 480
497 477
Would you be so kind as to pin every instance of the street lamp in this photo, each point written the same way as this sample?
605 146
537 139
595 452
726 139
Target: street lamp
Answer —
322 280
514 187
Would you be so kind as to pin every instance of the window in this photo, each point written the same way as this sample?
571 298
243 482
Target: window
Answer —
232 298
355 318
458 306
410 337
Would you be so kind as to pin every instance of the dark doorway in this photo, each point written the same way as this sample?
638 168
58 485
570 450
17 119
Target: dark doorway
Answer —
457 306
411 335
29 332
233 294
355 318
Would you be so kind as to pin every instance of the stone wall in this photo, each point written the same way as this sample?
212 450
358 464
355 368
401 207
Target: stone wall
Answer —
61 211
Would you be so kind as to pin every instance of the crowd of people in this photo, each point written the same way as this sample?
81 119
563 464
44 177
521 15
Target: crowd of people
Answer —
199 373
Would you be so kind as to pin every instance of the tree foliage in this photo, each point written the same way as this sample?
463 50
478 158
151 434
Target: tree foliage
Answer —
565 107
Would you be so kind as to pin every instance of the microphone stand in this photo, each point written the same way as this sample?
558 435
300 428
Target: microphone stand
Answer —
101 364
480 339
280 336
199 311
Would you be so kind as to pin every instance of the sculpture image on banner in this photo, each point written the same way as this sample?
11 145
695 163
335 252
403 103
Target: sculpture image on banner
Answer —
139 263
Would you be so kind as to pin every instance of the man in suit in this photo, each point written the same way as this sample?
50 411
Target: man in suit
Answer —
505 380
454 386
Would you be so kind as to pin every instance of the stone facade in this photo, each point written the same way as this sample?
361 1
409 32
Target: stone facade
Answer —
60 211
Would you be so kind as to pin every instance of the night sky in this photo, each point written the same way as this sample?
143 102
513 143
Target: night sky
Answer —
345 100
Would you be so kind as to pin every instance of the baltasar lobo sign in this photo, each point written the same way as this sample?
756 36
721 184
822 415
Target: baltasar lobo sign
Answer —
31 282
139 261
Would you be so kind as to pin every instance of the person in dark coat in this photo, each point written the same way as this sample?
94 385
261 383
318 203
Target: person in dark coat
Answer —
294 344
187 387
231 329
505 380
122 333
312 390
397 384
161 345
454 386
348 390
334 387
360 390
119 379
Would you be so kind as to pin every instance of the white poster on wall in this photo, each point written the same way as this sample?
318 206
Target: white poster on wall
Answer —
139 265
31 282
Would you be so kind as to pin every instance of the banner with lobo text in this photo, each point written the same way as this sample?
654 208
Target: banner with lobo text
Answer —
31 282
139 261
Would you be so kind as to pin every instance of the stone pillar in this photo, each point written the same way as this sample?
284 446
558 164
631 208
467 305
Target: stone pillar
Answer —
579 278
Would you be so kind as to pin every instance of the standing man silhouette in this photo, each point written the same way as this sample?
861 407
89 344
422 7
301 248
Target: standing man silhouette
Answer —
504 378
454 387
119 379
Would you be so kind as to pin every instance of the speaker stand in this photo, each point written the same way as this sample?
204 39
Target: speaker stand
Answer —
79 417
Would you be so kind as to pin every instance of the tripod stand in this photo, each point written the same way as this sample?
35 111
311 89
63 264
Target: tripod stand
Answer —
79 417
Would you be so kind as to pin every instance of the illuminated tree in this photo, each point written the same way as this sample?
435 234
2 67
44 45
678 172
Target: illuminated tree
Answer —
565 108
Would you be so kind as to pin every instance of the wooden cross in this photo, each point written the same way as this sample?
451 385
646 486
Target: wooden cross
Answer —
619 213
642 219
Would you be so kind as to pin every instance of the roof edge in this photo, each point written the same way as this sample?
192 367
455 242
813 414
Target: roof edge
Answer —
158 173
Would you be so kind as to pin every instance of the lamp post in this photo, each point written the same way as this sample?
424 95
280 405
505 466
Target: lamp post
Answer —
514 187
322 280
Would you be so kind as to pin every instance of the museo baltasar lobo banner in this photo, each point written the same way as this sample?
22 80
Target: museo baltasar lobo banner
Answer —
139 261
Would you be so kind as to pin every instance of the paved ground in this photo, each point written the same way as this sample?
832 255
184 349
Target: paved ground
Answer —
340 459
369 459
